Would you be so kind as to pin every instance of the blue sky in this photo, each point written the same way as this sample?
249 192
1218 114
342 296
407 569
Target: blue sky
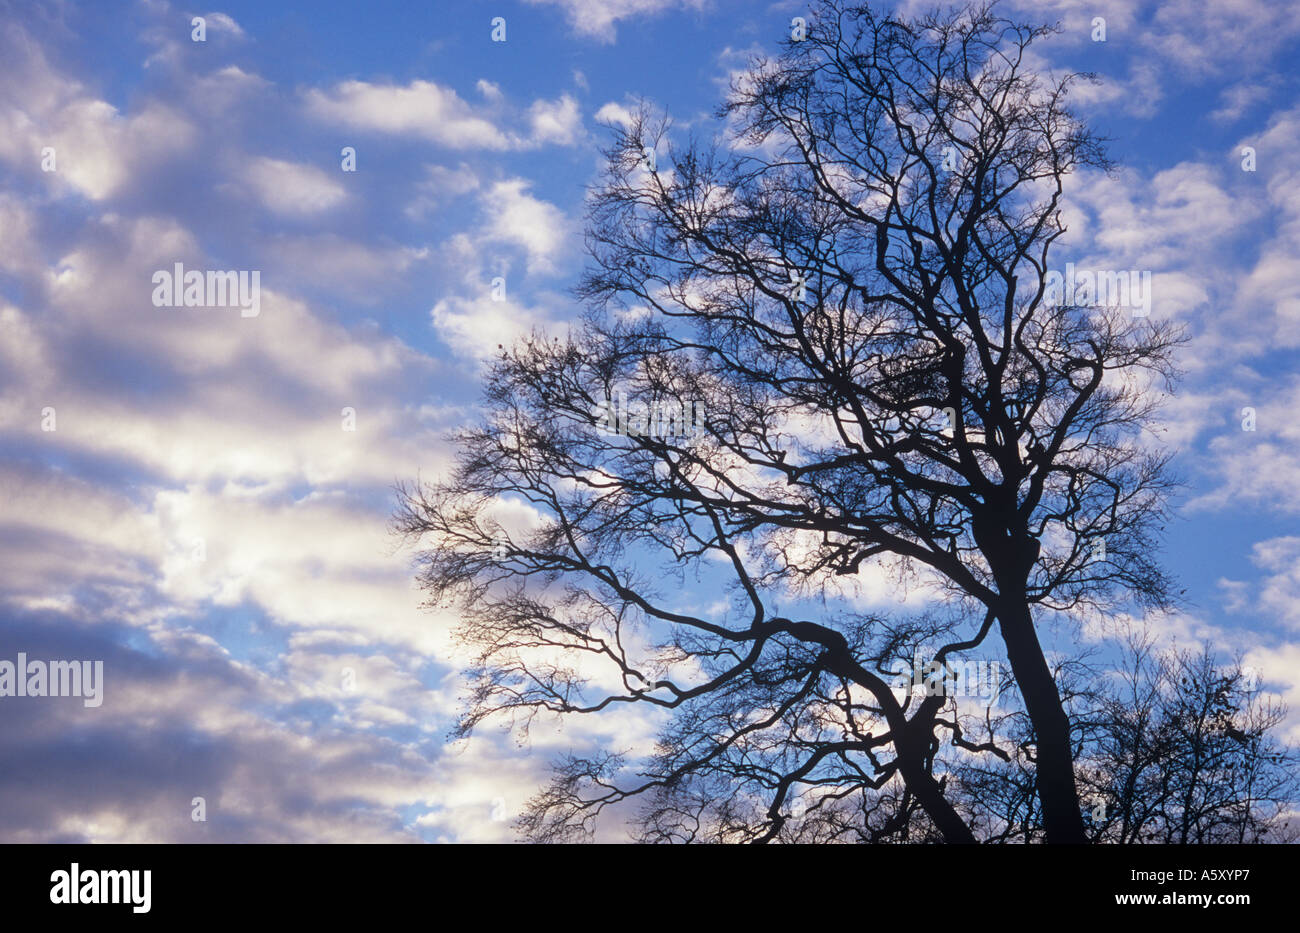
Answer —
182 433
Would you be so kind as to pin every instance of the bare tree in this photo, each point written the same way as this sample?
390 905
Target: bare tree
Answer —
835 327
1185 754
1170 747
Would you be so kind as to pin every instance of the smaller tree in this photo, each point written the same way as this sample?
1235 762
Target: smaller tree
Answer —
1170 748
1185 754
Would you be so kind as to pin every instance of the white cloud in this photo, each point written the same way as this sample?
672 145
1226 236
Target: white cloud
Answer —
1260 467
421 108
558 122
480 318
1236 99
516 217
1233 36
616 113
440 185
429 111
287 371
96 149
293 188
475 326
1139 94
361 271
1280 594
598 19
224 22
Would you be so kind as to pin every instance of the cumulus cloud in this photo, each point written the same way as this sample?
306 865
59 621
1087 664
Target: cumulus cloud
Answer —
516 217
362 271
53 128
598 19
181 723
421 108
224 23
1254 457
293 188
616 113
429 111
483 312
558 122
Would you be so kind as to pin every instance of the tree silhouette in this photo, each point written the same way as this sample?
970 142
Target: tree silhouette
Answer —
1170 747
842 360
1184 755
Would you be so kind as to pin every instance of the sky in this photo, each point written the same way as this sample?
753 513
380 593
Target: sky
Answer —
199 497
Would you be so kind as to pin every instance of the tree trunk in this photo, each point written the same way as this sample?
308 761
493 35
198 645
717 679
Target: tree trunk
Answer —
929 795
1062 817
910 742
